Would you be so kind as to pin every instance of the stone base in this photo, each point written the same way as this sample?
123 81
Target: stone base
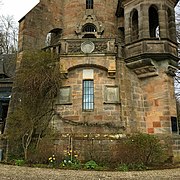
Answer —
176 148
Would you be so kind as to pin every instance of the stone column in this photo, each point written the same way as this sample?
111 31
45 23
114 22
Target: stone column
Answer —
162 23
173 28
127 28
143 22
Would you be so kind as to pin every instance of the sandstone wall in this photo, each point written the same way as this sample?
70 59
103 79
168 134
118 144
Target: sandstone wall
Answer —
37 23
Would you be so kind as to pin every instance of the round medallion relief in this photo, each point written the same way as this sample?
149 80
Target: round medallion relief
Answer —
87 47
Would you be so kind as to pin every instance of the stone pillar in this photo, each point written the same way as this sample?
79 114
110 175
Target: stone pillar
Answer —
127 28
162 23
173 28
143 22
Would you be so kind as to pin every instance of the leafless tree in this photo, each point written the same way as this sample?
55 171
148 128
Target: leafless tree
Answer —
37 83
178 24
8 35
177 77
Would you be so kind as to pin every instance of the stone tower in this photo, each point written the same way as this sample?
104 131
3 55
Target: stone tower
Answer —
150 54
118 59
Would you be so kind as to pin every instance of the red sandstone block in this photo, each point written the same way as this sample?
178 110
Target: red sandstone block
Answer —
98 117
156 124
72 117
150 130
156 102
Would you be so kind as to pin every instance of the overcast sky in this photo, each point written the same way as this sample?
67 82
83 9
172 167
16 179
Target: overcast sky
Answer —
17 8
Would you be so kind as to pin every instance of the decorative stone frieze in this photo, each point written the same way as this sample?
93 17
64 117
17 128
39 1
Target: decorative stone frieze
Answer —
100 46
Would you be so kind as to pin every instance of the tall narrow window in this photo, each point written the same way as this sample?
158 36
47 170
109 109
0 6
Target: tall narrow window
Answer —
174 124
153 22
135 28
89 4
88 95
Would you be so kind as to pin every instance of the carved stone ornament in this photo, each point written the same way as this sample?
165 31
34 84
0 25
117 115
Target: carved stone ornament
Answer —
90 18
144 68
171 70
87 47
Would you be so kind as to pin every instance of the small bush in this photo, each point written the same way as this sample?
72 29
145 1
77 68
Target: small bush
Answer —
91 165
19 162
143 149
123 167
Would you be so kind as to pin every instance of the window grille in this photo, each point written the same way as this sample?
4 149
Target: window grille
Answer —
89 4
89 28
88 95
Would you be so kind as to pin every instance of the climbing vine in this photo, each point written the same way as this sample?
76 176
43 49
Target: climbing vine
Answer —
36 85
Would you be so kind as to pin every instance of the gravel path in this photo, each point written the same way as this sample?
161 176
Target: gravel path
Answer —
26 173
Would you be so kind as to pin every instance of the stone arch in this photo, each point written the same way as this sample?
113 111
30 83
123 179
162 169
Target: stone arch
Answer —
89 27
53 36
89 30
134 24
88 65
154 30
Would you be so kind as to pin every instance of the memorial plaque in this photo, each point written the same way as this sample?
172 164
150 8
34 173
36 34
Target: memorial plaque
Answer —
111 94
65 95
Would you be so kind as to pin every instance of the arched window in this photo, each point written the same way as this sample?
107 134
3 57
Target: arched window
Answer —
53 37
135 26
89 4
154 22
89 30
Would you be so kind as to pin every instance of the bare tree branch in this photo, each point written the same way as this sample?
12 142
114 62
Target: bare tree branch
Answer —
8 35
